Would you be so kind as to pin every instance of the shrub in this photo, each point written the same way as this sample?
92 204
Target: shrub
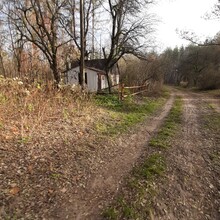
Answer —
209 80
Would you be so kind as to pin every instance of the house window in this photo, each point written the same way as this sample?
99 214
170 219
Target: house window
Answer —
86 79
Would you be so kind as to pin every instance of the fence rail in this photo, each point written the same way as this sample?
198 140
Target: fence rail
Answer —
122 87
135 87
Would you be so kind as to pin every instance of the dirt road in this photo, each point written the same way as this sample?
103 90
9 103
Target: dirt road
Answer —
190 190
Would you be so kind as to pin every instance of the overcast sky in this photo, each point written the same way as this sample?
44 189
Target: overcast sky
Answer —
183 15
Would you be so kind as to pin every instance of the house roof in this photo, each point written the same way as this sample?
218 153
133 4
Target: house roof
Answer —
96 70
98 64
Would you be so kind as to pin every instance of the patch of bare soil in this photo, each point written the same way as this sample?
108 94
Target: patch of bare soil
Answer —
190 190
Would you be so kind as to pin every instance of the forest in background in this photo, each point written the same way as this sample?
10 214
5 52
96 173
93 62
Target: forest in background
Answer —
192 66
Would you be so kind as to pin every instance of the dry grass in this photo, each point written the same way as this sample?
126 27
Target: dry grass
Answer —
25 110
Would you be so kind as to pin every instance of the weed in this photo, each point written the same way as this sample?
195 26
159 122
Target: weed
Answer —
110 214
215 157
55 175
100 127
24 140
212 121
30 107
128 212
3 98
65 114
154 165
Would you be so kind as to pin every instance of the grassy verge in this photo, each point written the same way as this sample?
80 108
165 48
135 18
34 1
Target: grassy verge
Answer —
123 115
135 199
211 120
214 92
170 126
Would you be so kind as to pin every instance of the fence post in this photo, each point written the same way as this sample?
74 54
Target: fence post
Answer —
121 91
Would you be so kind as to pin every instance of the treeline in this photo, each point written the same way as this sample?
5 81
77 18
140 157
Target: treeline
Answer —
193 66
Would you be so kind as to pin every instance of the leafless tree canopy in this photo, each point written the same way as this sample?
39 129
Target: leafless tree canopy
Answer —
44 36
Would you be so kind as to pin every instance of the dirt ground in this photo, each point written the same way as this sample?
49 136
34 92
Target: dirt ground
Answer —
190 190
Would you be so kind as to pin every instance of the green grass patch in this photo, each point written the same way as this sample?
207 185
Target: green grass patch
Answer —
123 115
171 125
214 92
215 157
211 125
154 165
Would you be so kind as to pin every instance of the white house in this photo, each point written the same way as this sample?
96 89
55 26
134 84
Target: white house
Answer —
95 76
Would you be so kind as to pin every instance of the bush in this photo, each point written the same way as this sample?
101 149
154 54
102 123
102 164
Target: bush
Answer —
209 80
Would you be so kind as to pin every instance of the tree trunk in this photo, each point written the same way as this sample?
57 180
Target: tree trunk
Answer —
82 44
108 81
2 65
55 70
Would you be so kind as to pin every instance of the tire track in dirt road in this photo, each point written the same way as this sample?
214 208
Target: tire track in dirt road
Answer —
190 189
102 186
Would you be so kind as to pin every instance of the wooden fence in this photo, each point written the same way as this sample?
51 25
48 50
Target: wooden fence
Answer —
122 87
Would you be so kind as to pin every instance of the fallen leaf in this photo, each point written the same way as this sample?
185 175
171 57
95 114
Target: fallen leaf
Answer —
63 190
30 169
50 191
15 190
80 133
7 137
14 129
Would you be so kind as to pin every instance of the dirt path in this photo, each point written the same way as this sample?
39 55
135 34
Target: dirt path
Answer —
190 190
102 185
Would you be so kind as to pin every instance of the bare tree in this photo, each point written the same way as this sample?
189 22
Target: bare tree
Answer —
79 32
193 38
129 31
71 20
37 23
2 66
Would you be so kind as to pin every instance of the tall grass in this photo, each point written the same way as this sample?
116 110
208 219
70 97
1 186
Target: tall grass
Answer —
26 108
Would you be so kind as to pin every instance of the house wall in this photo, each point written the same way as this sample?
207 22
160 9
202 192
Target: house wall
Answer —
73 76
92 78
104 82
115 79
